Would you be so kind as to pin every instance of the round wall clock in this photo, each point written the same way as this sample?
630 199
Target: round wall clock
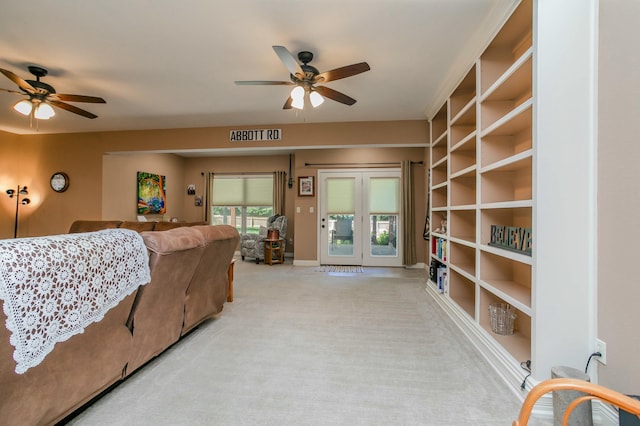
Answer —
59 181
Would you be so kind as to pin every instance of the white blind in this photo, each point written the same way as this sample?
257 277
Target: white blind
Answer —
242 190
384 196
340 195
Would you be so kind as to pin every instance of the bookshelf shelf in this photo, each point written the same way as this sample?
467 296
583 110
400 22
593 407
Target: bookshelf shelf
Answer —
439 153
462 257
511 182
439 174
463 156
462 291
439 126
513 122
463 188
518 344
462 224
439 197
463 97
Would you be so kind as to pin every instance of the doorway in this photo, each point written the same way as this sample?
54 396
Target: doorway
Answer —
359 214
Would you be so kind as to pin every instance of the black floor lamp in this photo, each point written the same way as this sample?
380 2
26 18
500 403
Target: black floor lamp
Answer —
11 193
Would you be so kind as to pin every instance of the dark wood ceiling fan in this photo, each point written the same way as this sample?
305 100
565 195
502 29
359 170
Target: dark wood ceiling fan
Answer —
307 77
43 93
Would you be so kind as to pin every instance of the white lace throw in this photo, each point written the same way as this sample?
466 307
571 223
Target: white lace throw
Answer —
55 286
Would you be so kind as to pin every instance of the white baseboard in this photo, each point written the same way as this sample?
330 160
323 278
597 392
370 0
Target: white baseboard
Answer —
502 362
604 414
508 369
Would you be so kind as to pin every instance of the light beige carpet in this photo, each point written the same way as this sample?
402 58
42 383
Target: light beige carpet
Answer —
298 347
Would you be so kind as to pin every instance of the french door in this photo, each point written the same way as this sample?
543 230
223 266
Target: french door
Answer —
359 217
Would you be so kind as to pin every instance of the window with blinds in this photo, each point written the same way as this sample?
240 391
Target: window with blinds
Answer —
242 201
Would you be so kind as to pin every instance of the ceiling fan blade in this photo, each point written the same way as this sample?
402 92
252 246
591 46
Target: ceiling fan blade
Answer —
342 72
287 104
335 95
77 98
17 80
12 91
268 83
289 61
73 109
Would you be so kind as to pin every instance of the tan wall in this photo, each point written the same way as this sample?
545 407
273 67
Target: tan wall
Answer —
619 194
307 223
32 159
119 184
12 174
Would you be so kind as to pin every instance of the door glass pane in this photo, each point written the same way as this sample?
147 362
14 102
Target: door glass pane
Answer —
340 235
383 231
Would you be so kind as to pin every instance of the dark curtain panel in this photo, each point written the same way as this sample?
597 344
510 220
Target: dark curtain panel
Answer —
409 256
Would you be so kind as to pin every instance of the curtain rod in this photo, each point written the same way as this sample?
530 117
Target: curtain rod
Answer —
396 163
241 173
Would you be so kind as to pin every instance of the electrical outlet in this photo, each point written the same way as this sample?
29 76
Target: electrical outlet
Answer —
602 348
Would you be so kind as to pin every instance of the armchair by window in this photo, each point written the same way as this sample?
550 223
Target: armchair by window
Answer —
252 245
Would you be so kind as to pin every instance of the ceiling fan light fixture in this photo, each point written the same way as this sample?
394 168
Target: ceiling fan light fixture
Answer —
297 103
24 107
44 111
297 93
297 97
316 99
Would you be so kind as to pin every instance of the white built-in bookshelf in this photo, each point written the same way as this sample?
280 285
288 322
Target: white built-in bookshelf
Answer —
481 175
515 147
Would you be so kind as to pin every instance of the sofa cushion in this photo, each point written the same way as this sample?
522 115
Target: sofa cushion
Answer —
163 226
173 240
209 285
93 225
138 226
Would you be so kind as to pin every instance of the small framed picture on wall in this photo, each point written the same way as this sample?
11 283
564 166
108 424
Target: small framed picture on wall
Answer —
305 186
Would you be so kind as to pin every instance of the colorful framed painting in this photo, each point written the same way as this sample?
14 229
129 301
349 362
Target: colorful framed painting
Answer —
152 193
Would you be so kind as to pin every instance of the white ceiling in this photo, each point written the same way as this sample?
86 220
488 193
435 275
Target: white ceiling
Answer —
172 64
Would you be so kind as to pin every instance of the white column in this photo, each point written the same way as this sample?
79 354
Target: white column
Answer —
565 83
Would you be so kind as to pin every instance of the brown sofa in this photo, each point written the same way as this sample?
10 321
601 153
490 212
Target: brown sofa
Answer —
97 225
189 283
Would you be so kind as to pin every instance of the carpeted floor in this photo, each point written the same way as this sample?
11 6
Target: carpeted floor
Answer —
297 347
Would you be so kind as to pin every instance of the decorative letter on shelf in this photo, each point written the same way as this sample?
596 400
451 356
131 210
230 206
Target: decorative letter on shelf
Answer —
512 238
